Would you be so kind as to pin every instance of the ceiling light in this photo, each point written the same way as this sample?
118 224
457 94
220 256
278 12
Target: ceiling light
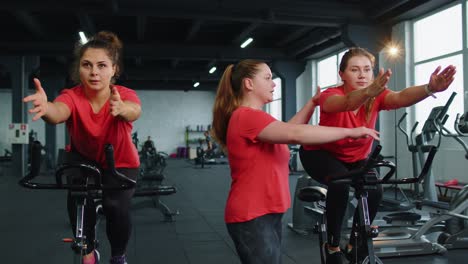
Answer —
213 69
247 42
83 37
196 84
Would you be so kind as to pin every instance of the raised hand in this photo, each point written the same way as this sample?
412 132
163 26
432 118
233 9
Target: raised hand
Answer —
379 84
360 132
440 81
316 97
116 103
39 100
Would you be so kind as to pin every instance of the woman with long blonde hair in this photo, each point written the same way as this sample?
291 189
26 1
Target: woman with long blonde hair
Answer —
356 103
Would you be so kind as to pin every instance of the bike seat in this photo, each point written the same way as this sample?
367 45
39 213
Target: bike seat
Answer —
312 194
402 217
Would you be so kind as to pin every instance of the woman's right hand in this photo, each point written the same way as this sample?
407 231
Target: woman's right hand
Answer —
39 100
316 97
379 84
363 132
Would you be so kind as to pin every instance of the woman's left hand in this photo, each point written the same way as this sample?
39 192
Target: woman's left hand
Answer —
440 81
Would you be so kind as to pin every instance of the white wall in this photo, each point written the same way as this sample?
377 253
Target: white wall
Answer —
6 119
165 114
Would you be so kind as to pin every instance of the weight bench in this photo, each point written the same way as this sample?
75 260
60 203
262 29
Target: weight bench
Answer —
154 192
444 187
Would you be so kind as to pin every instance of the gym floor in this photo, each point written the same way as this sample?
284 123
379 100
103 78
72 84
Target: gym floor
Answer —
33 223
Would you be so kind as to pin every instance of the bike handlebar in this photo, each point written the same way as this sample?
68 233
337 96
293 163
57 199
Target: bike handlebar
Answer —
87 169
356 177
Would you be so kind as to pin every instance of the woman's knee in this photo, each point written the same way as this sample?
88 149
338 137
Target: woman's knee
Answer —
317 163
338 191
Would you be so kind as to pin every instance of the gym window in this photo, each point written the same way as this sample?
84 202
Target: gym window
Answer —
438 40
327 71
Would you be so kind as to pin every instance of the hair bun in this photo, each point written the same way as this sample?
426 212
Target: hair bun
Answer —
109 37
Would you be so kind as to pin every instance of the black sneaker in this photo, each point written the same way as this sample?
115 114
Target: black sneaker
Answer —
334 257
349 254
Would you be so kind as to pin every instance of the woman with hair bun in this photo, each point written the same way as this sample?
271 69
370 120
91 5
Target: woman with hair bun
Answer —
97 112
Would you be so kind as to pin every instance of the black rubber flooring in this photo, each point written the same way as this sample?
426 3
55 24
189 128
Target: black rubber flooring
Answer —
33 223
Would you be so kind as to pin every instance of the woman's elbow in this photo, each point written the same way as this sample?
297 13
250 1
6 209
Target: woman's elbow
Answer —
295 135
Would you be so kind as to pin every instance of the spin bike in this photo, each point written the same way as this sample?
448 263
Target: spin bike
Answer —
361 180
90 189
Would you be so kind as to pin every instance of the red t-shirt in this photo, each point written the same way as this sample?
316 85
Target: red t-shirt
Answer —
348 149
259 170
90 131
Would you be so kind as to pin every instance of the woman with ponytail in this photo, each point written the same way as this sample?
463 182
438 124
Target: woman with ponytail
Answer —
256 144
97 112
355 103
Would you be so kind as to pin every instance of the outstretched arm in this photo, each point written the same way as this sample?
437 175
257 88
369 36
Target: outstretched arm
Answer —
439 81
353 100
280 132
51 112
127 110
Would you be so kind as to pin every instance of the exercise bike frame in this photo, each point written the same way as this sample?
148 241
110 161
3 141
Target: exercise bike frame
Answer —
90 189
357 179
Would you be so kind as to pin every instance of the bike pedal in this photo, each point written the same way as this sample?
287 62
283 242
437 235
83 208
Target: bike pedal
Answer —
373 232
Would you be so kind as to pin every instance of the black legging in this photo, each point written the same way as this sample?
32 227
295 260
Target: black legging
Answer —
321 165
116 206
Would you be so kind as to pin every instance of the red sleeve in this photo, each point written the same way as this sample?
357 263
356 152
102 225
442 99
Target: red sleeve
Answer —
65 97
330 92
127 94
380 101
252 122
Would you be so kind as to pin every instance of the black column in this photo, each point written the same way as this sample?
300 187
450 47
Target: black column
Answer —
20 68
288 71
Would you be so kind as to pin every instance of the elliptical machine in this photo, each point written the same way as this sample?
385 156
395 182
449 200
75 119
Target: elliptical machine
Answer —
418 243
419 149
455 234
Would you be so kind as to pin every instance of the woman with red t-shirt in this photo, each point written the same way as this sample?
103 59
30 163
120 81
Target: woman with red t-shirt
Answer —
97 112
356 103
258 156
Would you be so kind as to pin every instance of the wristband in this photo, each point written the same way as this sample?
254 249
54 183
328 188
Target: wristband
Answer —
426 88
